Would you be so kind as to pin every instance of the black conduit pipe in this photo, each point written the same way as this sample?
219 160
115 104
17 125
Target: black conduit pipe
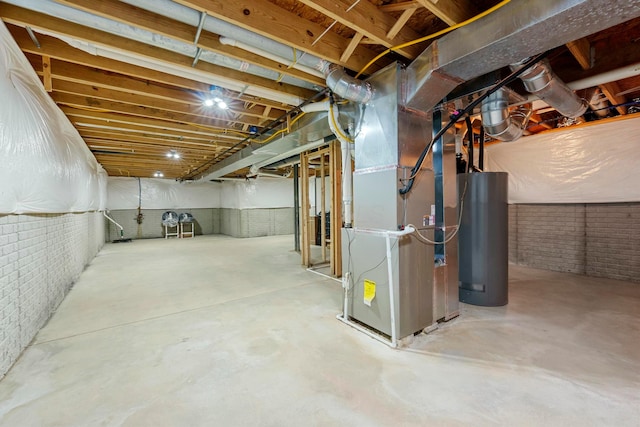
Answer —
470 165
481 150
459 114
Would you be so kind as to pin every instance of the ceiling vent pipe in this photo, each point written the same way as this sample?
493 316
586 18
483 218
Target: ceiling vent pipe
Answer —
346 86
542 82
499 122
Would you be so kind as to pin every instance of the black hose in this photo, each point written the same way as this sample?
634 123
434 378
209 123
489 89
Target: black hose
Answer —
481 150
461 113
470 159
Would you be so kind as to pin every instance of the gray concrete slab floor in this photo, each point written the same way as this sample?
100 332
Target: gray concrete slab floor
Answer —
220 331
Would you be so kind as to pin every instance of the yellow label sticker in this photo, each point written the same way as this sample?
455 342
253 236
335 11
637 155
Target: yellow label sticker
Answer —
369 291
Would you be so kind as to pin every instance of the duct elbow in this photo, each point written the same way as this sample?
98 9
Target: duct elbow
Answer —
499 122
346 86
541 81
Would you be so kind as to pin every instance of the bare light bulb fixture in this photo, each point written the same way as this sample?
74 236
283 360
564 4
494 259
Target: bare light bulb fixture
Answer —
158 174
173 154
216 97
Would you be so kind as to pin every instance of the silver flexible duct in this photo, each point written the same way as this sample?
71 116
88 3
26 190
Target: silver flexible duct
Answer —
499 122
541 81
346 86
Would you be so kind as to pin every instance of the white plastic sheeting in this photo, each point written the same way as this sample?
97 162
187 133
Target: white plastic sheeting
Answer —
127 193
45 166
257 193
587 164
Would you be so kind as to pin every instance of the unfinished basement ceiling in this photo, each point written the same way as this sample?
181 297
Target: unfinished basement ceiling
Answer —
132 75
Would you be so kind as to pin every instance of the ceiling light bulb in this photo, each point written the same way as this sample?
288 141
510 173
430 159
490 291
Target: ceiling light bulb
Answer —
222 105
209 102
170 154
176 155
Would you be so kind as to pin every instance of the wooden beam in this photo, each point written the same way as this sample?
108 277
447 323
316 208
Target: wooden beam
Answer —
135 110
55 48
80 114
267 19
46 70
75 73
185 140
365 18
399 7
155 141
451 12
355 41
198 110
611 91
401 22
581 51
40 21
141 18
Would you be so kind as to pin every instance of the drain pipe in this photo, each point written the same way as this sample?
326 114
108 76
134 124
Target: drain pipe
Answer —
345 148
498 122
542 82
106 215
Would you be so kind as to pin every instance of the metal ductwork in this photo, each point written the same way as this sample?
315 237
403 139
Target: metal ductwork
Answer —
311 131
346 86
499 122
520 29
542 82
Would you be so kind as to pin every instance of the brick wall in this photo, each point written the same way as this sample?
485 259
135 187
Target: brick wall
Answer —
594 239
41 256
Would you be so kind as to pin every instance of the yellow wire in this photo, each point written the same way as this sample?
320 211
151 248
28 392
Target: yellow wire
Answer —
434 35
298 117
336 127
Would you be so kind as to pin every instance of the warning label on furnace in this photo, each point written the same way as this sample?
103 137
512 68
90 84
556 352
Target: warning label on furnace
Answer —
369 291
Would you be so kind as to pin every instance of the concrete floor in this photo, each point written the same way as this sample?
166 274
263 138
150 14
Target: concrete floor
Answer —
233 332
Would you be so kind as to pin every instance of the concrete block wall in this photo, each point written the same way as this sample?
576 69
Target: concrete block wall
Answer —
207 221
256 222
600 240
41 256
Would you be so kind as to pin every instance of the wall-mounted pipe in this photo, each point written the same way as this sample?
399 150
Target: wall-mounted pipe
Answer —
500 123
542 82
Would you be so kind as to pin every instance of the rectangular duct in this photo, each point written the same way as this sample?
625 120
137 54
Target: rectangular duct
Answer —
518 30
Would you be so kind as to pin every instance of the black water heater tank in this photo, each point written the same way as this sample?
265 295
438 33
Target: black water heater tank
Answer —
483 245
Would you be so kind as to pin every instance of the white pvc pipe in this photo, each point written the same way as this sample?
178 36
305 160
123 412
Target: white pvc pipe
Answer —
236 43
607 77
392 298
347 176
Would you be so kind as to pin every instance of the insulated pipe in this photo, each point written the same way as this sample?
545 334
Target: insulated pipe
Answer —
49 7
241 45
541 81
346 86
498 122
186 15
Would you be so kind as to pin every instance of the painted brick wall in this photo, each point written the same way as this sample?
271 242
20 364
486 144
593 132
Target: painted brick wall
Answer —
613 241
207 221
594 239
41 256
